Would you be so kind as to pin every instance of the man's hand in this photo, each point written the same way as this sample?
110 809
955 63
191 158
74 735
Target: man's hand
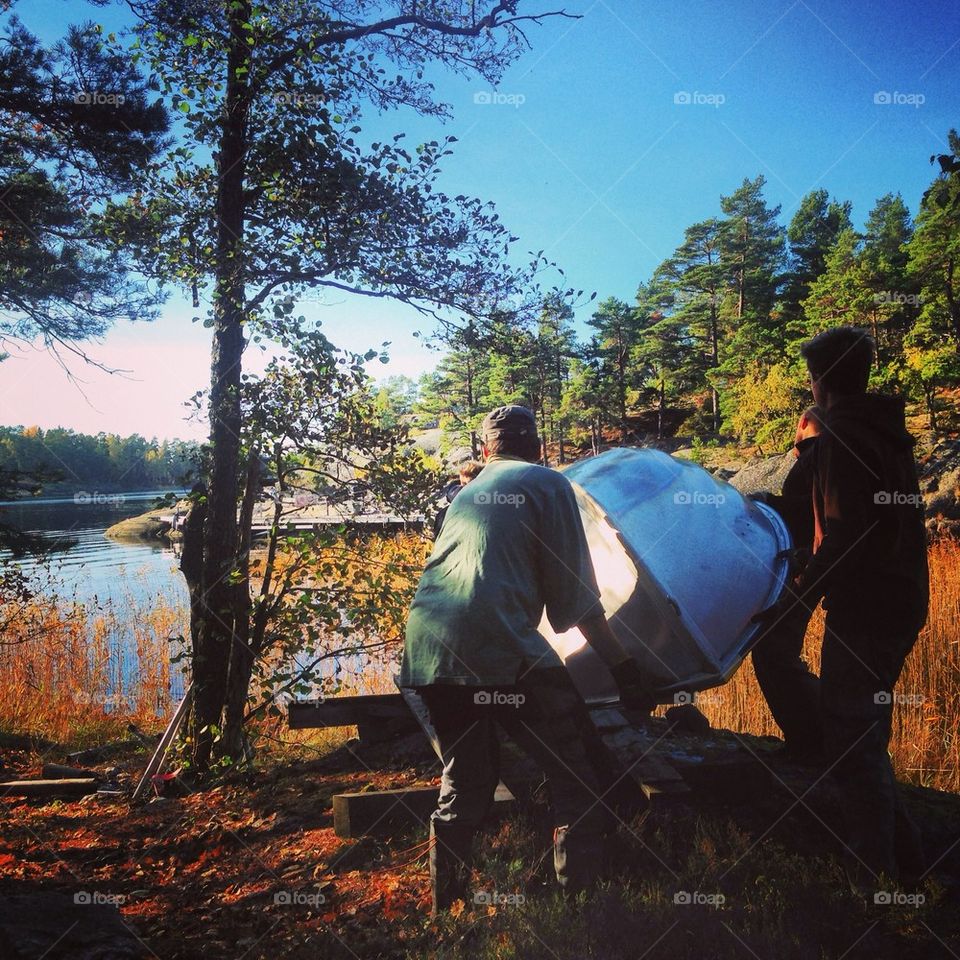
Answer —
776 612
635 693
797 559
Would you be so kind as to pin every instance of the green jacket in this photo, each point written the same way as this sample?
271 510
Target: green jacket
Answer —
511 545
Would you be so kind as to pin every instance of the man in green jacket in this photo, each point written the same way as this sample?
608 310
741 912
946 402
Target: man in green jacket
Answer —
512 545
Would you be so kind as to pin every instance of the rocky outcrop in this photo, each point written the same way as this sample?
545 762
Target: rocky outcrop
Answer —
763 474
146 526
939 483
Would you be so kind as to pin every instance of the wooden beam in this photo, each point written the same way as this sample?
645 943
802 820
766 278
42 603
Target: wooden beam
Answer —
156 762
48 788
381 811
377 716
56 771
378 812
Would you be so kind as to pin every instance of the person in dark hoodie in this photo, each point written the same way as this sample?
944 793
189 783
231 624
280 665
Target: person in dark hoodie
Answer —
468 470
869 566
792 692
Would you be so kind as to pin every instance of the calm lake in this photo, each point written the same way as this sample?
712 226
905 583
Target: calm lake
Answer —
126 576
123 580
97 569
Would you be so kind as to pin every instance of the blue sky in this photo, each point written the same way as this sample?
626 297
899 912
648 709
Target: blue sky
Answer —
593 159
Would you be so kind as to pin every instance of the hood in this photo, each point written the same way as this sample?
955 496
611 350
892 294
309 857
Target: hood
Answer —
871 413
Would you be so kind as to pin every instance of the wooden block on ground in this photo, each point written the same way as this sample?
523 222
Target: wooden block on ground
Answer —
56 771
380 811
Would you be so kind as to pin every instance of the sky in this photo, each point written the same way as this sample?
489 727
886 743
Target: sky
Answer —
607 138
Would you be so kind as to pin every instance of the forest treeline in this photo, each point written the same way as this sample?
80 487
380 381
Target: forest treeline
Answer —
71 460
709 346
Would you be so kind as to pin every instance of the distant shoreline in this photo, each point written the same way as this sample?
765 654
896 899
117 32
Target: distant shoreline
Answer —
94 495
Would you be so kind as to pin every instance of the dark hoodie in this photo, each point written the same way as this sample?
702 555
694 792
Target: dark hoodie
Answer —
794 502
870 559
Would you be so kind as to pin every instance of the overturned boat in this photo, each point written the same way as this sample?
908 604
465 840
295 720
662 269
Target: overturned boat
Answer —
683 562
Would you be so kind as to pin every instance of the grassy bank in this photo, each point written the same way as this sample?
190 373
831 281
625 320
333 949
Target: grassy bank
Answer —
78 675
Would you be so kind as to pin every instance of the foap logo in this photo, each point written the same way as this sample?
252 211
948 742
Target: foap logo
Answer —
98 98
86 898
684 698
295 99
897 99
896 498
486 98
888 697
695 898
894 898
83 498
684 98
698 498
898 297
299 898
494 498
498 698
493 898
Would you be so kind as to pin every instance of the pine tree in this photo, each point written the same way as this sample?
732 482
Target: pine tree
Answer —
932 345
812 234
694 278
752 249
616 337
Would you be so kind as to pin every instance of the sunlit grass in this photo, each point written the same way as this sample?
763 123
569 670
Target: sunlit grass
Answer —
79 675
924 746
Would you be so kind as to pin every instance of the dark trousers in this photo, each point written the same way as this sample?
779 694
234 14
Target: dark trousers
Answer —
792 692
859 670
545 715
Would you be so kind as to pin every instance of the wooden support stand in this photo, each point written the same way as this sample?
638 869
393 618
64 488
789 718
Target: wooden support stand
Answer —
383 716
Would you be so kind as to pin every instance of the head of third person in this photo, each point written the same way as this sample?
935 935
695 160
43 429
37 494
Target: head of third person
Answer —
510 431
839 362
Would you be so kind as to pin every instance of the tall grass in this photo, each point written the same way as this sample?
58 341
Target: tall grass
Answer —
924 746
73 675
78 675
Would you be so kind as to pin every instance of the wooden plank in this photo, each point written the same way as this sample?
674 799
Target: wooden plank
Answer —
380 811
48 788
348 711
160 754
56 771
659 781
377 812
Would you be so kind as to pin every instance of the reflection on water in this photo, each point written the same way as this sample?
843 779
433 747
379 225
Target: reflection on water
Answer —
118 578
97 568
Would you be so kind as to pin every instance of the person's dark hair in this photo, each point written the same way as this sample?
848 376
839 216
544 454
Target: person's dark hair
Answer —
470 469
526 445
840 359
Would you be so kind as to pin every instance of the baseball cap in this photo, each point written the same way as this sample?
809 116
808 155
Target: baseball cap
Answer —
512 419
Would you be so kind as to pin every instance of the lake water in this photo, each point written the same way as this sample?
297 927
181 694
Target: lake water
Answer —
105 574
118 582
96 568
